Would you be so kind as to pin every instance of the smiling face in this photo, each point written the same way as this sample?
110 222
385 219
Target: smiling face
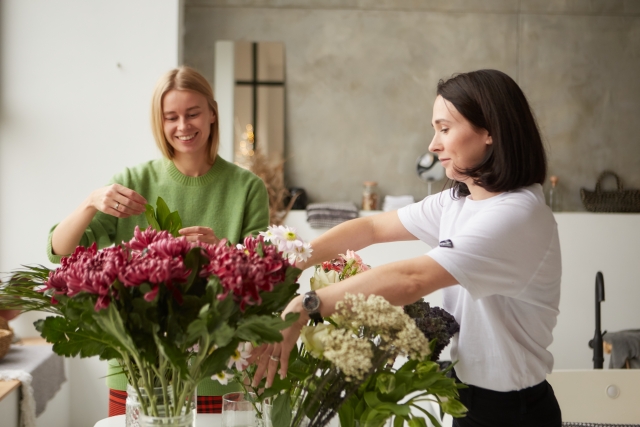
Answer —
457 143
187 120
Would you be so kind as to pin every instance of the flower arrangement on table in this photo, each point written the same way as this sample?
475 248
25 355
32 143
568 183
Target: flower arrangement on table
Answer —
171 312
369 362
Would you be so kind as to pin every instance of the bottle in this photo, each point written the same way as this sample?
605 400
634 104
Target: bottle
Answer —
370 196
553 197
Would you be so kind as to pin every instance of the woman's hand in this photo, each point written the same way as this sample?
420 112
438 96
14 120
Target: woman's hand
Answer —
118 201
115 200
269 356
199 234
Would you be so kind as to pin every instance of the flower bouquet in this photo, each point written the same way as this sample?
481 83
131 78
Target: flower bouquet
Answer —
171 312
371 361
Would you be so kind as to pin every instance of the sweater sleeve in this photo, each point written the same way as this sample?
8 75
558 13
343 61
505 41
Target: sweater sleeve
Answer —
256 214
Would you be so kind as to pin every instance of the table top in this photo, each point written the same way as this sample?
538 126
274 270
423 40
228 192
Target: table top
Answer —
119 421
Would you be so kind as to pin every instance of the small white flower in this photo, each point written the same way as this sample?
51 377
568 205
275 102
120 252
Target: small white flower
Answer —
240 356
301 253
222 377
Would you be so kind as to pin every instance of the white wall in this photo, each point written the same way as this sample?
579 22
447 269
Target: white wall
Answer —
76 79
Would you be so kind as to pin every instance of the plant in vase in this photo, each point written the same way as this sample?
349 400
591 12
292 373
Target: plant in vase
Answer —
171 312
238 369
346 365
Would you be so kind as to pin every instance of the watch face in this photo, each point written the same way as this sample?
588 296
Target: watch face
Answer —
311 302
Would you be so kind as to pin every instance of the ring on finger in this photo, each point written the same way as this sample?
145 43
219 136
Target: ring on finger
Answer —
117 205
274 358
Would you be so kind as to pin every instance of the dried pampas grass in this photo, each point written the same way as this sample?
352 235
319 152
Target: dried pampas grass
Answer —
273 177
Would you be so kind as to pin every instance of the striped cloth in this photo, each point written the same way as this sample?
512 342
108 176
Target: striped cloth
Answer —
598 425
118 403
327 215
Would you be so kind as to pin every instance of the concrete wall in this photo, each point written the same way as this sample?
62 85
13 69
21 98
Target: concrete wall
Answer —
361 77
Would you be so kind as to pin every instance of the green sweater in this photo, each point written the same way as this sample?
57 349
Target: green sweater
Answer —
229 199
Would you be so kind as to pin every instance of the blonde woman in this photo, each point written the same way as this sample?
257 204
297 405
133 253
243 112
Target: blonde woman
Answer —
215 198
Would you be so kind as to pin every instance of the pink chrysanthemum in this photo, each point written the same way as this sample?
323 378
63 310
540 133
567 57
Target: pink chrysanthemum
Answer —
88 270
246 271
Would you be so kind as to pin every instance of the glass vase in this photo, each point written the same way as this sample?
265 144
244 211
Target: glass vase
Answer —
184 420
240 410
134 412
267 407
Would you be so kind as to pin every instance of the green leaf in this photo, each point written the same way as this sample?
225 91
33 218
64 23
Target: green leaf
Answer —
70 340
395 408
162 211
346 413
371 399
223 335
172 223
261 329
429 415
453 407
385 382
151 217
281 411
417 422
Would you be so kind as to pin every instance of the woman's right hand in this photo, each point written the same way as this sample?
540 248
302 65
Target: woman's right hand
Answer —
118 201
115 200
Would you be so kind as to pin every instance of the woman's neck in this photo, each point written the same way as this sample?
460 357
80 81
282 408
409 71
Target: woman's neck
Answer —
192 165
479 193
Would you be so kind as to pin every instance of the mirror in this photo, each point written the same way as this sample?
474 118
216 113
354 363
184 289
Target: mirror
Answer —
429 169
257 99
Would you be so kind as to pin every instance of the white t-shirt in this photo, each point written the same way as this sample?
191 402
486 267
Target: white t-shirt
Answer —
505 256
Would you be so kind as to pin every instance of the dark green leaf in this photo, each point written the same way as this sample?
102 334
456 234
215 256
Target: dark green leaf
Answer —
281 411
261 329
162 211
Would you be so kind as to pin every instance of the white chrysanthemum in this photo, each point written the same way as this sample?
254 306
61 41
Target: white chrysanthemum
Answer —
222 377
273 232
240 356
301 253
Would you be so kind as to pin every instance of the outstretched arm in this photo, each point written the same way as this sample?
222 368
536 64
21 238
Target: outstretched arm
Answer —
357 234
400 283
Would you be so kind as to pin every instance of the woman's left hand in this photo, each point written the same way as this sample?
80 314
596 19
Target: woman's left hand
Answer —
199 234
269 356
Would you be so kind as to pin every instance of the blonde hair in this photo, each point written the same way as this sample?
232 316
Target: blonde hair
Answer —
182 78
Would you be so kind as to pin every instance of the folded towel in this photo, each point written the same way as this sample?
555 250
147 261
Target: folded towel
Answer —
333 207
392 203
625 347
327 215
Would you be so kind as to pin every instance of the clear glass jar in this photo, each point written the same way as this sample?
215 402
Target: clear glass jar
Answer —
370 196
134 413
184 420
554 197
134 407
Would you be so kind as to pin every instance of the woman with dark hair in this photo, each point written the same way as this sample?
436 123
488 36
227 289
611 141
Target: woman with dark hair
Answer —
496 255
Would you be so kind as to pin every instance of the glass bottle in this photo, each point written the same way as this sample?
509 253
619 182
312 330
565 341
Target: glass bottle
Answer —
553 196
370 196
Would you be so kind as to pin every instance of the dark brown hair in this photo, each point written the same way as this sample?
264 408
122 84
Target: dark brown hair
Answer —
491 100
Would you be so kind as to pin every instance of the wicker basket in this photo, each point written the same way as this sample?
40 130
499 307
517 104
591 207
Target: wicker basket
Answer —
6 336
619 200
